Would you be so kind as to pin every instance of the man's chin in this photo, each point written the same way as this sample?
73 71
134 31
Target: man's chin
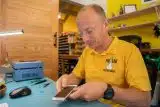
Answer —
91 47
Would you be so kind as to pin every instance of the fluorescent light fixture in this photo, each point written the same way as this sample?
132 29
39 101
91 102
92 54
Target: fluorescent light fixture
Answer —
11 32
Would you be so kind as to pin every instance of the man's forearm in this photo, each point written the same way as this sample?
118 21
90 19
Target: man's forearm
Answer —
132 97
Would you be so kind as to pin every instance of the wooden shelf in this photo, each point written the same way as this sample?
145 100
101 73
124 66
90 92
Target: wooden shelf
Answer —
134 14
134 26
65 56
150 50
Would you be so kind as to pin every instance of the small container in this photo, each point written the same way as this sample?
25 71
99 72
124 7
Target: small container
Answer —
2 77
2 90
2 85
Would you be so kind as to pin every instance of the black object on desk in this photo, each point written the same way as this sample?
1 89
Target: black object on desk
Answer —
39 82
20 92
45 85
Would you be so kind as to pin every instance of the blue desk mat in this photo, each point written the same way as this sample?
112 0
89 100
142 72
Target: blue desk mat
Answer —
42 97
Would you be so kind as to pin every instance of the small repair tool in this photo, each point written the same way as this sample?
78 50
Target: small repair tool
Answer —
45 85
39 82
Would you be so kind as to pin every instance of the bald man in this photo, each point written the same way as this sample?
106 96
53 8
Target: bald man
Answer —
113 69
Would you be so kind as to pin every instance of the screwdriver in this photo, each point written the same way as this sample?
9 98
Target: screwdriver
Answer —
45 85
39 82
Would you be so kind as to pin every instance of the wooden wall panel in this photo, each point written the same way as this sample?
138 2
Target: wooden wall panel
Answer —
1 14
1 55
1 8
28 16
1 26
2 50
55 28
36 18
45 5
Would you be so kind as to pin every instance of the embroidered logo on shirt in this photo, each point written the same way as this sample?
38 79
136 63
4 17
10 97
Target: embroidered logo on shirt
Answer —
109 64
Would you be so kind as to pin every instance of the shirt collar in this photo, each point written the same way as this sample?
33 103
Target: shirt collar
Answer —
110 50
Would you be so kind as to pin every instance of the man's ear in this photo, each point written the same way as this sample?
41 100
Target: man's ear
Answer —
106 23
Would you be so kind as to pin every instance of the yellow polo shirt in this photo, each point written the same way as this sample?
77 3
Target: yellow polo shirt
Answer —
121 65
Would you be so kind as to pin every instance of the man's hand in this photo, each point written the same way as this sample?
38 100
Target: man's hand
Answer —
62 82
89 91
65 80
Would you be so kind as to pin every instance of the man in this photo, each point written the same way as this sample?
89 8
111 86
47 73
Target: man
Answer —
113 69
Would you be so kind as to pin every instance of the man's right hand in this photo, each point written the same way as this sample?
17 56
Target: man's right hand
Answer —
62 82
65 80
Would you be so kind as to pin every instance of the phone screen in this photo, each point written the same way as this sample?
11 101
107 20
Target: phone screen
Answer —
65 92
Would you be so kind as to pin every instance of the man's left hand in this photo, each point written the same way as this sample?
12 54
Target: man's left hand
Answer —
89 91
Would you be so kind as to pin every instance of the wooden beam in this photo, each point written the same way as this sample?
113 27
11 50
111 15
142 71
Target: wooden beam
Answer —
69 12
66 17
72 2
67 7
64 5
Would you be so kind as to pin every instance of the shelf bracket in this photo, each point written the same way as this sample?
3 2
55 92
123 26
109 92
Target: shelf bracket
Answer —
157 9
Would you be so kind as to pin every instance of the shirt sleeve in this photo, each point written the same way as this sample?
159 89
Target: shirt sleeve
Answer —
136 72
79 70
